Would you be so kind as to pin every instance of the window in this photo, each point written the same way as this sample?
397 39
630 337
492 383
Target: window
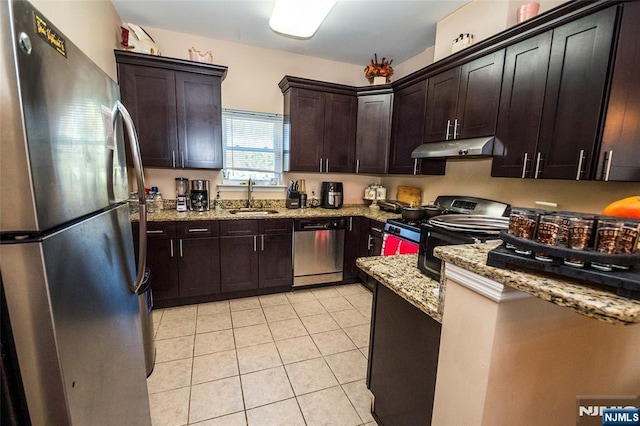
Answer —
252 147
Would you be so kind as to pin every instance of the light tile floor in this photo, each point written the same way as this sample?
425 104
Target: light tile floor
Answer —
296 358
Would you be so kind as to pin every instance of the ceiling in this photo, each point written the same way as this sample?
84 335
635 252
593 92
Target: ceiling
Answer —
352 32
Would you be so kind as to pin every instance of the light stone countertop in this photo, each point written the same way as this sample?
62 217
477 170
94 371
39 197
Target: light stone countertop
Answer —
171 215
401 275
584 299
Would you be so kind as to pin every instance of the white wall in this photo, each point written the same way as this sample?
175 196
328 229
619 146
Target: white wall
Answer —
91 25
483 19
252 84
473 177
254 73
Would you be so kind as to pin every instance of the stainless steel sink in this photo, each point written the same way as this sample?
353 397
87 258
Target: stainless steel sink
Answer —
251 212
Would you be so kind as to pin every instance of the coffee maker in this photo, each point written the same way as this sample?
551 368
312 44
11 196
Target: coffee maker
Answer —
182 194
331 195
199 196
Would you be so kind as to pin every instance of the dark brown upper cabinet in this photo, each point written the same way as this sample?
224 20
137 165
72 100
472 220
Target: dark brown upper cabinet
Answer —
176 107
463 102
407 130
320 126
574 98
619 158
373 130
523 86
554 88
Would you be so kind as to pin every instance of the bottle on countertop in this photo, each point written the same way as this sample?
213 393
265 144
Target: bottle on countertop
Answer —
158 202
217 203
303 194
150 197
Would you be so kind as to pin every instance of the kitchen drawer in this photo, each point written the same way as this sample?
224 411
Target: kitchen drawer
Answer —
234 228
157 230
276 226
198 229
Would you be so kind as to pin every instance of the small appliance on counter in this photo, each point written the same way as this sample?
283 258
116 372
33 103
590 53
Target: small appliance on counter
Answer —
293 195
199 196
182 194
331 195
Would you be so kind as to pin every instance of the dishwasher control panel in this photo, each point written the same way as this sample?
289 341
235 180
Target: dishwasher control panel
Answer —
319 224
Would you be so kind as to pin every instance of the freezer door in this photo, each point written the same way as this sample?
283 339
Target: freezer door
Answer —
77 324
60 163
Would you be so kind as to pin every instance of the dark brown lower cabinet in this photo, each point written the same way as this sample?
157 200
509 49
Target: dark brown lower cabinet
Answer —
372 232
161 239
275 261
238 263
184 259
403 360
256 254
199 266
355 246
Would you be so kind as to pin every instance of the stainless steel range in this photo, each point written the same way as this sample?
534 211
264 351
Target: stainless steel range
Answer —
465 220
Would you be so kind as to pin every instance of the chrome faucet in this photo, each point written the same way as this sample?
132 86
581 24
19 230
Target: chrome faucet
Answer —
250 194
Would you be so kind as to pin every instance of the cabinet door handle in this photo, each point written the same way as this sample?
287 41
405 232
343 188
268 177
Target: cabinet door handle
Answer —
171 247
173 159
262 242
369 243
607 164
580 161
181 252
154 232
255 243
357 166
455 129
448 126
524 165
198 230
326 165
321 165
538 161
182 157
350 224
415 166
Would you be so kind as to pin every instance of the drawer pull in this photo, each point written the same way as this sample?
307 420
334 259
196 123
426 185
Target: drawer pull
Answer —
607 168
524 165
198 230
155 232
581 158
538 162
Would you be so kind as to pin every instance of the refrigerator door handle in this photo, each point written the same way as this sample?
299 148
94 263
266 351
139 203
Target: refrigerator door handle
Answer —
137 165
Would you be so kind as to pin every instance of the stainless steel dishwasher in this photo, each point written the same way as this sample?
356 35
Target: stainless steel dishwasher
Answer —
318 250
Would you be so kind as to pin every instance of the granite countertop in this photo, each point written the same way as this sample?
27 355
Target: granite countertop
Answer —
169 215
401 274
586 300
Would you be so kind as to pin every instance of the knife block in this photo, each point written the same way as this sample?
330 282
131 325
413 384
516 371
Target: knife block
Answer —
293 200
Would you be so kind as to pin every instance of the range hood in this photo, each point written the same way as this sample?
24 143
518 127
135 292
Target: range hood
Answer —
459 148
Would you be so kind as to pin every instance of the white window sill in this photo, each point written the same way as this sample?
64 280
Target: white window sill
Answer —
228 187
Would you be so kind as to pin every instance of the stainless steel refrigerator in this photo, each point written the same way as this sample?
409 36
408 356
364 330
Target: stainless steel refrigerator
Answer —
67 265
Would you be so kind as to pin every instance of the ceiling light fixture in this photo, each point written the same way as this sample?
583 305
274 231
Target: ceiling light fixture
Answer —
299 18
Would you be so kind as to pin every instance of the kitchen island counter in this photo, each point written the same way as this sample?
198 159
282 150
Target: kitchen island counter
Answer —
584 299
400 274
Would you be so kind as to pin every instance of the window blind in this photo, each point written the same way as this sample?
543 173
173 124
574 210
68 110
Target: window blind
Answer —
252 146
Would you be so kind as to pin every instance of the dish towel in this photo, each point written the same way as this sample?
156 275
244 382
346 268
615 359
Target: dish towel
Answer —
392 245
